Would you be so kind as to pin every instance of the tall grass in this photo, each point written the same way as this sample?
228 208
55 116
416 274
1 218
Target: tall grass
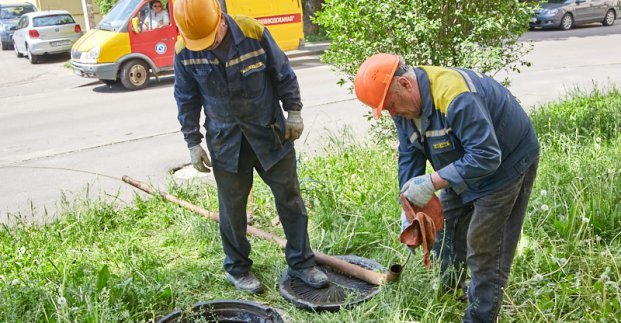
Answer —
101 262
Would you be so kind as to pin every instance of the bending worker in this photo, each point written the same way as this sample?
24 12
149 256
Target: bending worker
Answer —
485 153
231 69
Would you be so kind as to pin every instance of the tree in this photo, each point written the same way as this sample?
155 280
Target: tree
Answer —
105 5
310 8
477 34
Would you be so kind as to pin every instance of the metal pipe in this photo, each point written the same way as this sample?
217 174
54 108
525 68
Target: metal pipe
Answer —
352 270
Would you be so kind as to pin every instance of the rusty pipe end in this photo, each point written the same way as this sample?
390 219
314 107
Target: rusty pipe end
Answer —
393 274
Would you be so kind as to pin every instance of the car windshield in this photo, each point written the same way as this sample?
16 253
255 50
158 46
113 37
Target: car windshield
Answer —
119 15
14 12
53 20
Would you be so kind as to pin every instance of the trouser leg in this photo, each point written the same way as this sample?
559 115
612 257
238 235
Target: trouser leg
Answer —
450 244
233 190
493 235
282 179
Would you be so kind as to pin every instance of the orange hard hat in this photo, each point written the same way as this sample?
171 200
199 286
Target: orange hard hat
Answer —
198 22
373 80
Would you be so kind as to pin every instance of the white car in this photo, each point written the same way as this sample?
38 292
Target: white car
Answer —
45 32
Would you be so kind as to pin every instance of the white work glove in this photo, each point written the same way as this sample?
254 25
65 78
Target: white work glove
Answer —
200 160
418 190
294 125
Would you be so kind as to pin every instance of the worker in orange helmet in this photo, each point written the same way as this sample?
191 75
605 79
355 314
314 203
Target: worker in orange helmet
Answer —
484 152
231 69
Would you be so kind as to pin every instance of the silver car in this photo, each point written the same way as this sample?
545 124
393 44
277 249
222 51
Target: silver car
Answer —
565 14
45 32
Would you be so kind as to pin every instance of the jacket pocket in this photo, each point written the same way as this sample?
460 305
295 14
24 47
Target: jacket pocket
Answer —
443 150
278 134
253 77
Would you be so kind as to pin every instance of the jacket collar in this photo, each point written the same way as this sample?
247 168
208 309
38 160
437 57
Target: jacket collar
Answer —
236 32
425 99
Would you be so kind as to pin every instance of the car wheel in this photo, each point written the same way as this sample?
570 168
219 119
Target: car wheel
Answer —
34 59
17 53
135 75
109 82
567 22
5 45
610 18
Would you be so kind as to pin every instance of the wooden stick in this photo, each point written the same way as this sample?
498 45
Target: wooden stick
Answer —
345 267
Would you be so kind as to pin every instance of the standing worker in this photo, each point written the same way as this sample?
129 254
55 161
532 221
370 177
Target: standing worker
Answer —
231 68
485 153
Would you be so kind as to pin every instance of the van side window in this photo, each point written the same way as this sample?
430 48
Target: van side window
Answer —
153 15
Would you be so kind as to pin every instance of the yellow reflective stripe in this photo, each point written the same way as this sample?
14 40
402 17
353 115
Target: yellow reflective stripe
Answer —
201 61
445 85
244 57
437 133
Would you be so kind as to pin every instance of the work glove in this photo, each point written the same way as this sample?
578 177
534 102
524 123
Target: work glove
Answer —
418 190
200 160
404 225
294 125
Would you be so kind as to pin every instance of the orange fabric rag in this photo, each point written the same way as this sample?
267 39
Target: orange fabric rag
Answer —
424 223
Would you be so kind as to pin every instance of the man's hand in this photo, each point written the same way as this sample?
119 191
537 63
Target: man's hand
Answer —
419 190
200 160
294 125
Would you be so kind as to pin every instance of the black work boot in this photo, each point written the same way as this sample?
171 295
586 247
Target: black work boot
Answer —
246 282
311 276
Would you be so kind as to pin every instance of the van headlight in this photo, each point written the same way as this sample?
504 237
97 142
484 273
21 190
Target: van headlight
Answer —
91 56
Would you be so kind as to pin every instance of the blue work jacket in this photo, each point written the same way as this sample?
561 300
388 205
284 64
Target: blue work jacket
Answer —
473 132
240 96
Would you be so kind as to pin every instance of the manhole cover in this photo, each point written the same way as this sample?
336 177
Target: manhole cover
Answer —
343 291
225 311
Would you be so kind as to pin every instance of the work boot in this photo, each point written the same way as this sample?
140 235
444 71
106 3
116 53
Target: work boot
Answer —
246 282
311 276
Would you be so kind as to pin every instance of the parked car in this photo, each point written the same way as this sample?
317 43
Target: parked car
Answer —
9 15
45 32
565 14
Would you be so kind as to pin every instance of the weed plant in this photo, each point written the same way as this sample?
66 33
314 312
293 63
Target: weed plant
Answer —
101 262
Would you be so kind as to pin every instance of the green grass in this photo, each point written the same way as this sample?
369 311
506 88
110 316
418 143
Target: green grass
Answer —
103 262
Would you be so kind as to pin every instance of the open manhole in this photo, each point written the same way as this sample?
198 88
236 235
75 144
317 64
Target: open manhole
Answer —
225 311
343 291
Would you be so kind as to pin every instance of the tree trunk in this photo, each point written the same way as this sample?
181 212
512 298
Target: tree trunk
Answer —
310 7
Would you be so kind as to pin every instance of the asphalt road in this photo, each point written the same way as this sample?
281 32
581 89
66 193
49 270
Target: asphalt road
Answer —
61 135
588 30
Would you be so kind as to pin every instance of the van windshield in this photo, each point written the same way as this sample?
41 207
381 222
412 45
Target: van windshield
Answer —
118 16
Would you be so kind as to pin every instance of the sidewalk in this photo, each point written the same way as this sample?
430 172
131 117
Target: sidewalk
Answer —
309 49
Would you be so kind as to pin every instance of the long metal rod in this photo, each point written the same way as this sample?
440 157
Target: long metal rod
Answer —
352 270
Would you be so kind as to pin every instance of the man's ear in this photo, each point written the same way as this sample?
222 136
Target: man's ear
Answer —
404 82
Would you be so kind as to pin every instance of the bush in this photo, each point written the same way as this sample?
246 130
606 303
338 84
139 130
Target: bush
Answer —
472 34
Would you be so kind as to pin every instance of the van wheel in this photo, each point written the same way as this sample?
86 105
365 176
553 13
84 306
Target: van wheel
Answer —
17 53
34 59
135 75
610 18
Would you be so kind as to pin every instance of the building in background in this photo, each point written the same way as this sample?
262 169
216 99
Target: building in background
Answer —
77 8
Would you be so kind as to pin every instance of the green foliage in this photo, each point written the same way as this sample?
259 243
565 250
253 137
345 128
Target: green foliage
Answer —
581 136
105 5
474 34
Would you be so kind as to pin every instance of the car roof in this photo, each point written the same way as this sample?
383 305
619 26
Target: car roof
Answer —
19 4
46 13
